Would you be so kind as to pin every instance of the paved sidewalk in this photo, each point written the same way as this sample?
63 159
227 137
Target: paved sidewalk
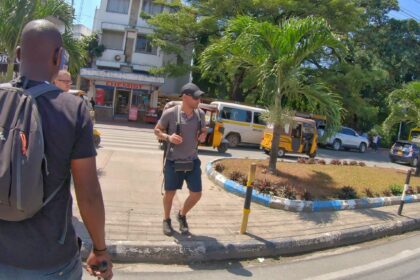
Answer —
132 194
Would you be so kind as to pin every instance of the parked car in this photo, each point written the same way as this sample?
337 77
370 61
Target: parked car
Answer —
405 151
347 138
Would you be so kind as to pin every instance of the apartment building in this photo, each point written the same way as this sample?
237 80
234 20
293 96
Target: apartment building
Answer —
120 79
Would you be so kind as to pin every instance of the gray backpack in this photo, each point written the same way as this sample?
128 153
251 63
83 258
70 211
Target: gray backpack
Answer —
23 161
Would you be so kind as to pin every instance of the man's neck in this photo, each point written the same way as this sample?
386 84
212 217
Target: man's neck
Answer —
187 110
36 76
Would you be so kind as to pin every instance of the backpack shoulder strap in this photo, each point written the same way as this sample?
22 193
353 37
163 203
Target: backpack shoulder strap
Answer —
178 119
41 89
198 113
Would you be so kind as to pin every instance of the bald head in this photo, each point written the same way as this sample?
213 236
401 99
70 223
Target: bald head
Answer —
40 50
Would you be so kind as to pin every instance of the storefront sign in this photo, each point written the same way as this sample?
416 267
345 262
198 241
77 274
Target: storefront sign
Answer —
124 85
100 96
3 58
132 116
106 75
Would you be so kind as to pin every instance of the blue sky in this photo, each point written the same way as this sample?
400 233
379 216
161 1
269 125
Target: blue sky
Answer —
409 9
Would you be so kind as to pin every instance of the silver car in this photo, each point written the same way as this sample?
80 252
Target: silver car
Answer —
347 138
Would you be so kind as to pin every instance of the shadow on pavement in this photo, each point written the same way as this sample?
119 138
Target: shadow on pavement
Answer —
319 217
212 153
378 214
213 248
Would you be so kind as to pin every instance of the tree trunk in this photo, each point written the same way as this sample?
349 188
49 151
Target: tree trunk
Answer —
237 92
272 166
10 66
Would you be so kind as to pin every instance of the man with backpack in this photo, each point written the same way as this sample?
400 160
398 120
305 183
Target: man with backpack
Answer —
45 134
182 127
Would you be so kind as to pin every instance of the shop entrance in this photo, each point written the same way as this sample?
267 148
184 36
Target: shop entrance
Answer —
122 102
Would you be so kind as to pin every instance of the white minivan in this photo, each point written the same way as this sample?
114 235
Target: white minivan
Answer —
243 124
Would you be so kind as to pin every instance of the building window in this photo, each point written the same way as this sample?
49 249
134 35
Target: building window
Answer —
144 45
113 39
118 6
150 8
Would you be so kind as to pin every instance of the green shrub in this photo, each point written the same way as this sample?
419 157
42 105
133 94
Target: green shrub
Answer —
335 162
387 193
347 192
361 163
396 189
237 176
219 167
301 160
310 161
345 162
353 162
288 192
368 192
307 195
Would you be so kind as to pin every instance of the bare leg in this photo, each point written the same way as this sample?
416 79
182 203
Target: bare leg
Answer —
168 197
190 202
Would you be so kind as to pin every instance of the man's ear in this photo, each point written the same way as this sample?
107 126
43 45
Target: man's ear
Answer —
58 56
18 53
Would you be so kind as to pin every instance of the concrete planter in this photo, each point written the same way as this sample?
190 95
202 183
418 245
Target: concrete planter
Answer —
302 205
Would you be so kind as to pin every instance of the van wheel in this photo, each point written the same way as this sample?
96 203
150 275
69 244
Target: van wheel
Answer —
233 140
337 145
281 152
362 147
312 155
222 148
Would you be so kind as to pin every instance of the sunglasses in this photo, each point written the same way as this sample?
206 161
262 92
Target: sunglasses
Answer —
195 97
65 81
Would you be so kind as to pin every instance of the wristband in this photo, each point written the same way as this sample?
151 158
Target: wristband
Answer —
99 250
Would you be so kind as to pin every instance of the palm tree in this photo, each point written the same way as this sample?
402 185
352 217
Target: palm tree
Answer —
14 14
275 56
404 105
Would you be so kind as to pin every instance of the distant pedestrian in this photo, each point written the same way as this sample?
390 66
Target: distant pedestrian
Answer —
375 142
63 80
92 102
182 126
48 139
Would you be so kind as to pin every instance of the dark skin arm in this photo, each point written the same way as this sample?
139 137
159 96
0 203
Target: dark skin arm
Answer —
91 206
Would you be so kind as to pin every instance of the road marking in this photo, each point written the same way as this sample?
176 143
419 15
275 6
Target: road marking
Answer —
353 271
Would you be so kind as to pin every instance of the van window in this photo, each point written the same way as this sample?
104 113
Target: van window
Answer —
258 118
236 114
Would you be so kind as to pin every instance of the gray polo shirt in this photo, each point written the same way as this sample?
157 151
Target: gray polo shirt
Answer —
187 150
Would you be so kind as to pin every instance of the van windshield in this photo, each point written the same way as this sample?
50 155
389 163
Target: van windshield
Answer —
415 136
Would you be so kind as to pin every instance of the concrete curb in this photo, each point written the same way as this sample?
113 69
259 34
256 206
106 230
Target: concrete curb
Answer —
182 252
301 205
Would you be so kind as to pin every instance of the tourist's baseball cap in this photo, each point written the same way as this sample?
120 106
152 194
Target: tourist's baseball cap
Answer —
192 90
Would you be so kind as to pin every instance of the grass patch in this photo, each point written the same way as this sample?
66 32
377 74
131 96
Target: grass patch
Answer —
323 181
